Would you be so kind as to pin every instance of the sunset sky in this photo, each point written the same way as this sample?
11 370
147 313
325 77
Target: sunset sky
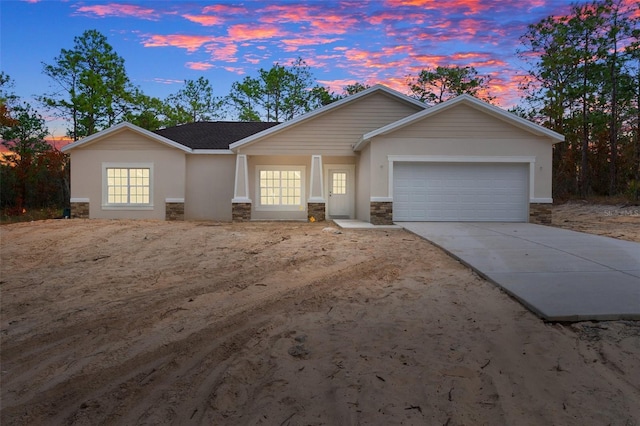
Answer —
368 41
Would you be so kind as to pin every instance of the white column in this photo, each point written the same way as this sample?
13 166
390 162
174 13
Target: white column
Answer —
241 188
316 188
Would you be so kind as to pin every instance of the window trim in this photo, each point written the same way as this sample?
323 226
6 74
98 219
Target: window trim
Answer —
122 206
289 207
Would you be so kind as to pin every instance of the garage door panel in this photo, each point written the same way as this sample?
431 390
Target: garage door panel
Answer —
460 192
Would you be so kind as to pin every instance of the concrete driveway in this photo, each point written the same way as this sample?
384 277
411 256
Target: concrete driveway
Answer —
560 275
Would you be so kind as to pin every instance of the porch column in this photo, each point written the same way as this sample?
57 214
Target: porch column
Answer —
316 202
241 203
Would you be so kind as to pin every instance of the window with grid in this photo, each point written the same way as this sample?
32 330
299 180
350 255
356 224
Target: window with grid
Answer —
339 183
280 187
130 186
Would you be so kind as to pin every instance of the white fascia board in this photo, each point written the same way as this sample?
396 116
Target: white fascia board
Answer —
125 125
213 151
469 100
324 109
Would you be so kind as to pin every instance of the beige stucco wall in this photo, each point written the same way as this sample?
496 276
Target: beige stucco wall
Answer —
209 186
335 132
462 131
127 147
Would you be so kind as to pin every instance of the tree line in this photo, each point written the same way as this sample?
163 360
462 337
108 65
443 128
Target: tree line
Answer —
583 81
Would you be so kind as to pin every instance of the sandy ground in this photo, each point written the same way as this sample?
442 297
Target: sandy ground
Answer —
135 322
619 221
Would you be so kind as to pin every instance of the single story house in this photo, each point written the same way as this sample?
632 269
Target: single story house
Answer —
377 156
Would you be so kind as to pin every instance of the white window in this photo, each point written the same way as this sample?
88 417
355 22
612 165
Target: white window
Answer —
339 183
280 187
127 185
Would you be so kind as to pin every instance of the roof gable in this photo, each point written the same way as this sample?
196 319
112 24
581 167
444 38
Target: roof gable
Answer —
469 100
119 128
358 97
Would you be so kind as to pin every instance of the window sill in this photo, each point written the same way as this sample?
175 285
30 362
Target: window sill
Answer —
126 207
297 208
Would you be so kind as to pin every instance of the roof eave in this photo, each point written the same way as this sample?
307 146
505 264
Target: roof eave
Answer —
121 126
213 151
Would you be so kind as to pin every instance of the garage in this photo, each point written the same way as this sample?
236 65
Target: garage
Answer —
475 192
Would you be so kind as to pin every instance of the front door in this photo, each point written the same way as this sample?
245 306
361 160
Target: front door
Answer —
340 193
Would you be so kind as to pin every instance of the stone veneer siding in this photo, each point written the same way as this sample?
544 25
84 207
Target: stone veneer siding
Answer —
317 211
241 212
381 213
540 213
174 211
80 210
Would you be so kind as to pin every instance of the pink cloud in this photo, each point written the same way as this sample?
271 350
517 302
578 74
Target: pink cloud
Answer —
321 20
308 41
470 7
335 24
380 18
235 70
423 61
119 10
223 51
189 42
198 66
223 9
532 4
205 20
396 83
248 32
338 85
316 62
504 87
366 62
253 59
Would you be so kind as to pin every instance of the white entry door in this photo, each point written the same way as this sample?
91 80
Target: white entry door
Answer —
340 191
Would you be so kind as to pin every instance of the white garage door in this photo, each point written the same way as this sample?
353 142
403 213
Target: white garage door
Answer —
488 192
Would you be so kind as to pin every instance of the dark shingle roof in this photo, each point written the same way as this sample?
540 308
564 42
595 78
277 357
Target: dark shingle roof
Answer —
213 134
